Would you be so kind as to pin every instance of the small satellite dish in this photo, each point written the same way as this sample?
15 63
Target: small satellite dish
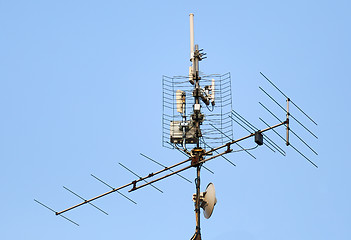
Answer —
209 200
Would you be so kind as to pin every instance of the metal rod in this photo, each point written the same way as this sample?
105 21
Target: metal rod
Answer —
163 177
175 172
69 220
164 166
290 130
161 171
221 156
303 141
204 160
249 130
113 188
208 169
235 142
140 177
85 200
253 128
292 145
124 186
56 212
244 120
304 156
273 130
290 114
213 157
243 138
94 198
45 206
287 121
269 111
288 97
240 124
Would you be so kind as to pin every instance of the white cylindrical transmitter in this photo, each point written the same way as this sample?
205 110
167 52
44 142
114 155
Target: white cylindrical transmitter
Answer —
191 35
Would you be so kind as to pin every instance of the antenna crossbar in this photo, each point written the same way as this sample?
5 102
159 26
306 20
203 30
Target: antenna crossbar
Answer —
235 142
243 138
269 141
210 158
112 188
163 177
85 200
133 183
140 177
221 156
164 166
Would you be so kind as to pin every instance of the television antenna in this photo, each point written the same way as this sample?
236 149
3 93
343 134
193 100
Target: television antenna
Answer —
185 124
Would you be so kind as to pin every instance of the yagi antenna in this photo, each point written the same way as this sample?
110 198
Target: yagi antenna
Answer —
198 122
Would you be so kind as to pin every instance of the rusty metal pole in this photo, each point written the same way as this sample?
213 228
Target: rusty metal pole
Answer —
197 203
197 234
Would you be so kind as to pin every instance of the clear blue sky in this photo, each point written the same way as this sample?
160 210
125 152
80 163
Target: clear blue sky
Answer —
80 91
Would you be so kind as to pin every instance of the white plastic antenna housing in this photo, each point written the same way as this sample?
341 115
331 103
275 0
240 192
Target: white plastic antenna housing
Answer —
191 35
179 100
209 200
191 74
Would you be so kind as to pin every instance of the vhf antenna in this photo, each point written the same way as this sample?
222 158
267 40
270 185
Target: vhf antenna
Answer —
185 124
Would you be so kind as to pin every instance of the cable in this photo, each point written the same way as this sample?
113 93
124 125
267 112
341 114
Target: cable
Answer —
209 108
247 149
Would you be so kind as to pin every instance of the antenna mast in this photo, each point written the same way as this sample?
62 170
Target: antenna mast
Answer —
195 58
180 131
197 117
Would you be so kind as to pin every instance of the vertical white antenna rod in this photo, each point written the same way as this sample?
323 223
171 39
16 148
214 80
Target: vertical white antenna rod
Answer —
192 44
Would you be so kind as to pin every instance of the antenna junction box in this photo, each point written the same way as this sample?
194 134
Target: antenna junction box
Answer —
176 132
258 138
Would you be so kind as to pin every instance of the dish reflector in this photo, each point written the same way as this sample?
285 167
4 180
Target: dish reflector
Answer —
209 200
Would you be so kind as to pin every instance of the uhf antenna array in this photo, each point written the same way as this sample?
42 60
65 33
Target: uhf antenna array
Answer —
197 115
178 104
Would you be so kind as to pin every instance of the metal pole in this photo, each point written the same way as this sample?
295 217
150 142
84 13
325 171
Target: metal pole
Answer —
197 203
